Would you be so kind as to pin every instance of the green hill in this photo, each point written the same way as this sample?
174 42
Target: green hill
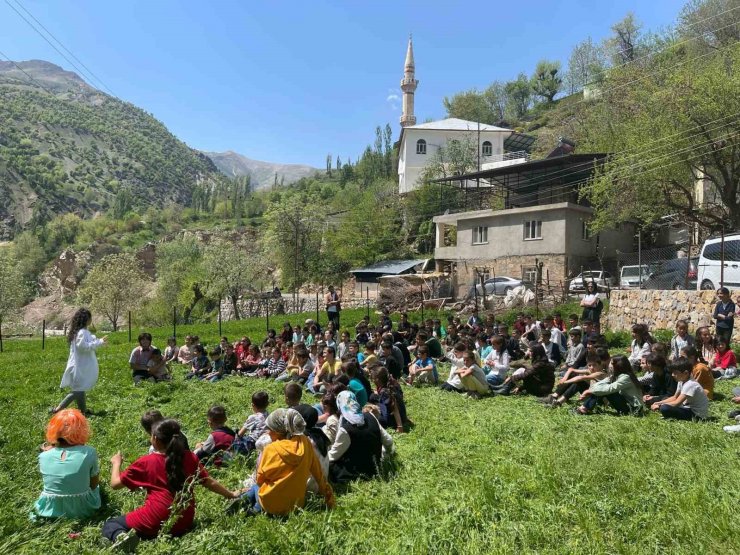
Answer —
67 147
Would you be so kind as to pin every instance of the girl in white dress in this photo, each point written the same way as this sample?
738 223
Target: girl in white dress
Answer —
81 373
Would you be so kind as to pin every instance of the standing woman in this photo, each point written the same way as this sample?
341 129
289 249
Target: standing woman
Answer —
81 373
592 305
333 301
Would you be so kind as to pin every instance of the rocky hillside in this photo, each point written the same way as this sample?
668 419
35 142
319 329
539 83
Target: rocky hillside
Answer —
67 147
234 164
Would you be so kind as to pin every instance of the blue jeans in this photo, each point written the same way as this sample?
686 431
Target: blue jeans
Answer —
253 497
494 379
616 401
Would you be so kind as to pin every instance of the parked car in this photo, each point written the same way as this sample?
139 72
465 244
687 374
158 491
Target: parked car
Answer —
671 274
710 263
629 277
500 285
603 280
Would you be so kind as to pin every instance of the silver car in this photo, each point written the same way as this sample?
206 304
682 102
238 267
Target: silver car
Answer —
500 285
603 281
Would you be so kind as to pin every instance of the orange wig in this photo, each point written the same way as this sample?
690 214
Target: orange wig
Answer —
69 425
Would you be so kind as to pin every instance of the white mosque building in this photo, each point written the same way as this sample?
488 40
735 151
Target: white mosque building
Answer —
418 143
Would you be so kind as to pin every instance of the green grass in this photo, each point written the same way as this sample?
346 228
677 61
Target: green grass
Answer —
499 475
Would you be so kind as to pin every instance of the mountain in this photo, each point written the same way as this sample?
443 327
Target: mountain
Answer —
67 147
234 164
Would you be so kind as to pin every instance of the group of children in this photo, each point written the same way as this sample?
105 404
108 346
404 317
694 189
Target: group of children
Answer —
357 384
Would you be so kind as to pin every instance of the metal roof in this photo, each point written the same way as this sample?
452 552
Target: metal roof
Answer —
518 141
536 171
389 267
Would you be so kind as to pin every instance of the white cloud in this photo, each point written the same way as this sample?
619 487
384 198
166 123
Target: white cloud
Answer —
393 99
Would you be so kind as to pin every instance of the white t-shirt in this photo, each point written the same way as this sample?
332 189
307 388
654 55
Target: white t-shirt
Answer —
696 399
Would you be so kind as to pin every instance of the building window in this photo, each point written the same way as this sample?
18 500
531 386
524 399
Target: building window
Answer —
585 232
532 230
421 146
529 274
487 148
480 235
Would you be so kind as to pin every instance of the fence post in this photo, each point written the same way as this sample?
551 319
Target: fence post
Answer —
129 326
722 259
219 317
43 335
421 290
317 308
367 301
174 322
1 334
267 312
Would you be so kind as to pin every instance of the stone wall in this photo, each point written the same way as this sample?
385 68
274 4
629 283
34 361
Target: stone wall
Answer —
661 309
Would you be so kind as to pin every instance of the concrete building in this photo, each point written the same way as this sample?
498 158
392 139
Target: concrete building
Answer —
541 219
497 146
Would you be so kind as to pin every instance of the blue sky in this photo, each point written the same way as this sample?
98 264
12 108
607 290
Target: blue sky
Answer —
292 81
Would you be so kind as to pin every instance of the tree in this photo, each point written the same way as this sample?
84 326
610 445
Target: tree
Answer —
495 98
180 276
546 82
13 289
456 157
233 269
328 165
470 105
29 257
673 124
113 286
623 44
710 24
586 65
518 96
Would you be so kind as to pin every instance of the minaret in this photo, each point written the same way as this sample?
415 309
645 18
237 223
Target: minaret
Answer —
408 86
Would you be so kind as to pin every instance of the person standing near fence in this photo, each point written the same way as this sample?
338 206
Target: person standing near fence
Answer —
333 301
81 373
724 314
592 306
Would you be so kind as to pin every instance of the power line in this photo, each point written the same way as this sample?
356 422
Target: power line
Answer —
54 46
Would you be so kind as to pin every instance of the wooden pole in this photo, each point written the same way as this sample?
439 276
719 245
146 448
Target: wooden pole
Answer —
493 304
219 318
129 326
43 335
317 308
421 290
174 322
367 301
1 334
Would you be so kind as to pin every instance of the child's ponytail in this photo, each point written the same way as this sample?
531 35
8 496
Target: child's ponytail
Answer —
169 433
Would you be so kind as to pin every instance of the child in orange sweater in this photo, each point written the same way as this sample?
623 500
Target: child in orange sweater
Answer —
284 468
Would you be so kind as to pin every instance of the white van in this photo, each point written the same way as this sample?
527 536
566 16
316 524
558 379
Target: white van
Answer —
709 270
630 276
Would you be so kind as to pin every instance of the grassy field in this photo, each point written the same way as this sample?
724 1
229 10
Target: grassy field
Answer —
502 475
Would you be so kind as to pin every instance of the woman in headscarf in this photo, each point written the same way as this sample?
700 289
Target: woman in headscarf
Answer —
285 466
358 447
319 441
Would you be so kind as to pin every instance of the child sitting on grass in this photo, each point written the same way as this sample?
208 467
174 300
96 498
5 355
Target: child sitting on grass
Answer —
689 402
662 385
575 357
157 367
255 425
700 371
219 440
472 377
724 364
148 420
199 364
497 362
620 390
172 352
293 394
423 370
284 468
70 469
389 398
216 369
579 380
681 339
356 384
168 476
536 378
369 356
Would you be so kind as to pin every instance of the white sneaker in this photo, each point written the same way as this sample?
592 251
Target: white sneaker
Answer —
737 418
127 541
732 429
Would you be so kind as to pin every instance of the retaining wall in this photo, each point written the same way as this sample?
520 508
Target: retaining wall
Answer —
661 309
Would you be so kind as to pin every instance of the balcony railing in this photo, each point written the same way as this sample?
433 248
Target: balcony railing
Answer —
517 155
